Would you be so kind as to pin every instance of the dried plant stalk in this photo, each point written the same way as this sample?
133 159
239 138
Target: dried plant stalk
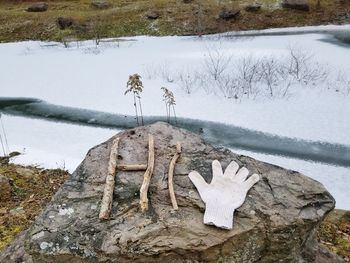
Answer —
106 204
148 174
171 176
132 167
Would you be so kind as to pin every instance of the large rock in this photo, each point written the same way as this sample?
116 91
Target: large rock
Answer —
296 4
64 22
38 7
277 222
152 14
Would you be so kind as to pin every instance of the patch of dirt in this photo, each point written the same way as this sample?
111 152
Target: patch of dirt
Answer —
31 189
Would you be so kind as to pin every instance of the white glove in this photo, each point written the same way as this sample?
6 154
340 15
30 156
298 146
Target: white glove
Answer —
226 192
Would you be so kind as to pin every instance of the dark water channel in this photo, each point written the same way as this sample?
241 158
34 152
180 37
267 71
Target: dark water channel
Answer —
216 133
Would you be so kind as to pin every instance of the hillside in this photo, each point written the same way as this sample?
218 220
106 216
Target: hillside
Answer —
86 19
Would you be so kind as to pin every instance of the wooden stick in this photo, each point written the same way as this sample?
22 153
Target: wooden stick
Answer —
171 175
148 174
106 204
132 167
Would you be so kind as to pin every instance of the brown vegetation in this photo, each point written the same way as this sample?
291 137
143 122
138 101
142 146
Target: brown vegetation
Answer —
31 189
129 17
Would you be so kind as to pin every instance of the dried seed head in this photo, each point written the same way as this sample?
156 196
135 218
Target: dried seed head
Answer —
168 96
134 84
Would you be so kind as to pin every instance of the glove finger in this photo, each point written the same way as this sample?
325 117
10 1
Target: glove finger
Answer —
198 182
241 175
217 169
231 169
251 181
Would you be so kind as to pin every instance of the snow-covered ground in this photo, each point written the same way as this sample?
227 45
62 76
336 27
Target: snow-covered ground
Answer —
335 178
95 78
51 145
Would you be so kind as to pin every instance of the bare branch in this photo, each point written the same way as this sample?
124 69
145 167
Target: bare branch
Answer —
106 204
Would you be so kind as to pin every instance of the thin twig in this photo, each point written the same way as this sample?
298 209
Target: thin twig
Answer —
167 112
5 137
137 116
106 204
171 176
141 111
2 145
148 174
174 114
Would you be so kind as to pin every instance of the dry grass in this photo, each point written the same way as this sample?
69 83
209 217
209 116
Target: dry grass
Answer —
125 18
31 190
334 233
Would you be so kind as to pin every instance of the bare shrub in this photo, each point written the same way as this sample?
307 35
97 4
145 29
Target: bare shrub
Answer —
248 74
303 67
169 100
270 74
187 79
216 62
340 83
250 77
230 87
166 73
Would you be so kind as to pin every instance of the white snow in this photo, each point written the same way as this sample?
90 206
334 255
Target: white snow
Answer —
95 78
79 77
50 144
334 178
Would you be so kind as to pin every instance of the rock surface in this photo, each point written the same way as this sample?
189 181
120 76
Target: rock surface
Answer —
15 252
277 222
38 7
296 4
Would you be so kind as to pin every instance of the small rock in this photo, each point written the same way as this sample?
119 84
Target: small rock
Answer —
153 14
187 1
14 154
100 4
296 4
65 22
5 188
252 8
229 14
38 7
